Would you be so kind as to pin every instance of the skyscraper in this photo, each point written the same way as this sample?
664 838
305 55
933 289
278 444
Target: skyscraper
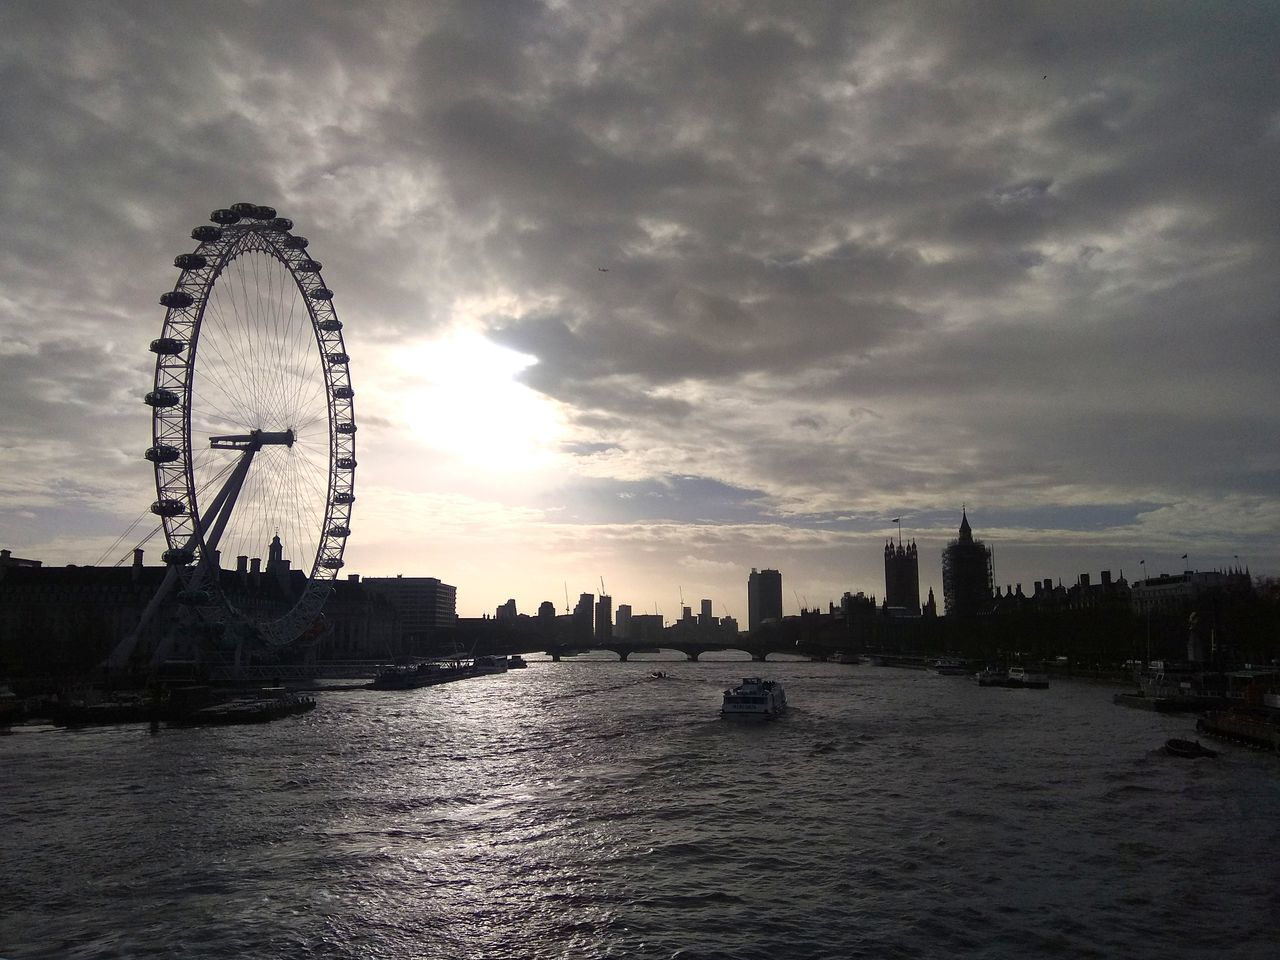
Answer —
966 573
902 576
764 597
604 617
583 620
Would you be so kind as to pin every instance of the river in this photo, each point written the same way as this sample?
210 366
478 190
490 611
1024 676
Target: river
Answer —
588 809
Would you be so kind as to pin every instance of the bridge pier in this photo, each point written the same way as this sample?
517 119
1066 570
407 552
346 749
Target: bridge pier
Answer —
692 655
760 656
622 655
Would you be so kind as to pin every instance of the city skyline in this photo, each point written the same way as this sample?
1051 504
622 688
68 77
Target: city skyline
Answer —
660 295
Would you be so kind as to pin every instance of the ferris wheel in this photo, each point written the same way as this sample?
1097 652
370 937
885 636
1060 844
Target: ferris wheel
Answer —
253 424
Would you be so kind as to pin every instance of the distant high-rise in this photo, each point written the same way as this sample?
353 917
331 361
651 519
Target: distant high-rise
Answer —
764 597
622 628
604 617
966 573
902 576
582 618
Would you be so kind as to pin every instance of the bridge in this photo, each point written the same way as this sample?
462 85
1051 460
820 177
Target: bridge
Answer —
692 649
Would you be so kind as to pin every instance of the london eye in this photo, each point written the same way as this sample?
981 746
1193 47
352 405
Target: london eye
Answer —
253 425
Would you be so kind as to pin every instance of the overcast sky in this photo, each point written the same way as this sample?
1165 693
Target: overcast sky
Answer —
659 292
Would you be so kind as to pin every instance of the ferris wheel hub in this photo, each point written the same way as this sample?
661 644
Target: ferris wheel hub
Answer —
254 440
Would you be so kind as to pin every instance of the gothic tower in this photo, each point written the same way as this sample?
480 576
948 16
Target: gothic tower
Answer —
902 576
966 573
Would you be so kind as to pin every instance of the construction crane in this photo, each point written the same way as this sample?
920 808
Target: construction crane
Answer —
603 591
566 597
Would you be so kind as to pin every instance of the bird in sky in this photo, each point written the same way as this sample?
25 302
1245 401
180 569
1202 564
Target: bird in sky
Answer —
603 269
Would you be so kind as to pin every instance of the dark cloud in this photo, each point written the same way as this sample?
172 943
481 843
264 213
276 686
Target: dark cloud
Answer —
852 253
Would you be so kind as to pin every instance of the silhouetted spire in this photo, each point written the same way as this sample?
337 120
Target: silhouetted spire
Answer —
966 532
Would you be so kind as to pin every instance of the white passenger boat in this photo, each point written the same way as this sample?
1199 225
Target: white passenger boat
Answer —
754 699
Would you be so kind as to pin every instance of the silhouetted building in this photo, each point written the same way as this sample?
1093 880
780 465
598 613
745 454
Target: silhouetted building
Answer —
764 598
424 604
930 606
582 617
506 611
546 610
7 559
646 626
902 577
55 620
622 628
1181 592
966 574
604 617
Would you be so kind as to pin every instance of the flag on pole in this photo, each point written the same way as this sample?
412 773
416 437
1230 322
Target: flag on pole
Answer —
1184 556
896 520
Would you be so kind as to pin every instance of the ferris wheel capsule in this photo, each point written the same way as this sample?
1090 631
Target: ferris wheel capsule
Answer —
162 453
190 261
179 299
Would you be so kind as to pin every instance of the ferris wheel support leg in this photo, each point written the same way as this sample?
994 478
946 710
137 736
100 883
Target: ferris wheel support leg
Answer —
124 649
215 521
220 510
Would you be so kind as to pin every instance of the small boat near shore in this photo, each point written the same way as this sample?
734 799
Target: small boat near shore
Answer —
516 662
272 703
1187 749
1017 678
952 667
754 699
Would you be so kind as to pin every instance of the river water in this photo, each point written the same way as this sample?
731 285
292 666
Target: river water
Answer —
587 809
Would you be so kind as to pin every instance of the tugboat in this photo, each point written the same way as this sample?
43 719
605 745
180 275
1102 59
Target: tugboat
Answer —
754 699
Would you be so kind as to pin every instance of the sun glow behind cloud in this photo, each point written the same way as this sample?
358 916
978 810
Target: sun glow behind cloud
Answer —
466 403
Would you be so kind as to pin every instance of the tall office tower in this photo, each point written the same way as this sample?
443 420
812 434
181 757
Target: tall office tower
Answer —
706 617
966 574
604 617
622 628
582 619
764 598
902 576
